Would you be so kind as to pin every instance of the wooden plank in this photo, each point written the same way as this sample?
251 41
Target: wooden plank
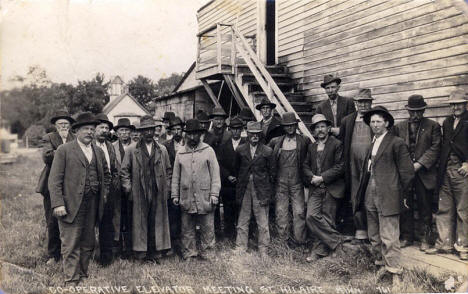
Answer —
449 47
234 91
210 93
435 31
226 13
220 8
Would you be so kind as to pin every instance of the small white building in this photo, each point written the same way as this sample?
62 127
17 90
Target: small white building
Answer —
122 104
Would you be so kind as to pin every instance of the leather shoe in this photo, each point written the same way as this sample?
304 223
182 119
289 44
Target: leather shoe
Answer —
405 243
464 255
435 250
424 246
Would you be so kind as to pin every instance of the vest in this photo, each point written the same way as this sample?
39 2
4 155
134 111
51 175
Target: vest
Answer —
92 177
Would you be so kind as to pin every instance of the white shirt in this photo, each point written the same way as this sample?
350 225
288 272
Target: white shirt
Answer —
252 150
235 143
149 147
87 150
289 143
106 152
64 139
179 145
376 141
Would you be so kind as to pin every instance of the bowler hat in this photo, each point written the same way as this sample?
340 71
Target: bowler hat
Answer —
175 121
168 115
458 96
254 127
327 79
289 118
319 118
202 117
236 122
416 102
124 123
246 114
218 111
102 118
146 122
85 118
363 94
192 126
61 114
379 110
265 101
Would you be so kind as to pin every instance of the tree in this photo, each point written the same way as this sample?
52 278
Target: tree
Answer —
165 86
89 95
142 89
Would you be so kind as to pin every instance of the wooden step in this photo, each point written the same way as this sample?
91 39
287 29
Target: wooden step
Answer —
278 78
272 69
302 106
292 97
285 87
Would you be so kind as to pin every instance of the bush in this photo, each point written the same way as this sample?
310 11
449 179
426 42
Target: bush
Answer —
34 135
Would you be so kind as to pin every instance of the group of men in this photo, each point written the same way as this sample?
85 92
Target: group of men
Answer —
151 196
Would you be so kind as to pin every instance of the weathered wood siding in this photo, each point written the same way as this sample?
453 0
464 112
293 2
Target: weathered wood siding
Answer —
240 12
396 48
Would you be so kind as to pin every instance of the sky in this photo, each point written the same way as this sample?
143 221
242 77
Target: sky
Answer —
75 39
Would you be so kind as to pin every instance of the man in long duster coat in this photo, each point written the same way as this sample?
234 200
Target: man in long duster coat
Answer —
133 183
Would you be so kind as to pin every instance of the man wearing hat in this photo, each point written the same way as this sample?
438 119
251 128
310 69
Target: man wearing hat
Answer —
145 176
452 217
78 184
227 166
50 142
123 130
336 107
173 146
254 162
271 126
289 153
323 173
195 187
168 116
357 138
206 137
388 173
423 136
246 115
135 135
158 135
109 224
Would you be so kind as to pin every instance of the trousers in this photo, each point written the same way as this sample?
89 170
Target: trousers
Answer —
189 221
53 232
78 239
383 231
286 192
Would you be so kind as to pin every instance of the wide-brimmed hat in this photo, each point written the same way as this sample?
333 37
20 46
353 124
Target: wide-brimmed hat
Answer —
327 79
202 117
85 118
146 122
416 102
124 123
264 102
246 115
458 96
102 118
218 111
319 118
363 94
193 125
254 127
61 114
289 118
175 121
168 115
379 110
236 122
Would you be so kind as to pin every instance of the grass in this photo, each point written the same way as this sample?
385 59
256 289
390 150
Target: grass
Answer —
22 250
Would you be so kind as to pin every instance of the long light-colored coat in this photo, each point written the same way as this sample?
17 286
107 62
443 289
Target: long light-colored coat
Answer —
132 180
196 178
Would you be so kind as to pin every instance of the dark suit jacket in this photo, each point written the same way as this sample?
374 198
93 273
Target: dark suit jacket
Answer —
50 143
262 169
220 140
393 172
227 165
67 178
344 107
302 144
210 139
332 166
427 148
346 136
170 150
455 141
274 130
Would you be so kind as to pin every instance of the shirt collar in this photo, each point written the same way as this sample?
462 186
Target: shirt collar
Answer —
267 121
82 145
379 138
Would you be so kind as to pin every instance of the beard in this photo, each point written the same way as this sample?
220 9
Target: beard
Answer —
63 132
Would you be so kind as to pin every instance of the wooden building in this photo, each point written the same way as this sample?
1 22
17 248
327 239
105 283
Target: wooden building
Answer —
397 48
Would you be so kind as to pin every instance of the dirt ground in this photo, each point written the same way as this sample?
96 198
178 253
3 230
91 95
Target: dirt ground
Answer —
23 268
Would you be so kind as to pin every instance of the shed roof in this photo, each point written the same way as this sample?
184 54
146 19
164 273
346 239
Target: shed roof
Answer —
111 105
